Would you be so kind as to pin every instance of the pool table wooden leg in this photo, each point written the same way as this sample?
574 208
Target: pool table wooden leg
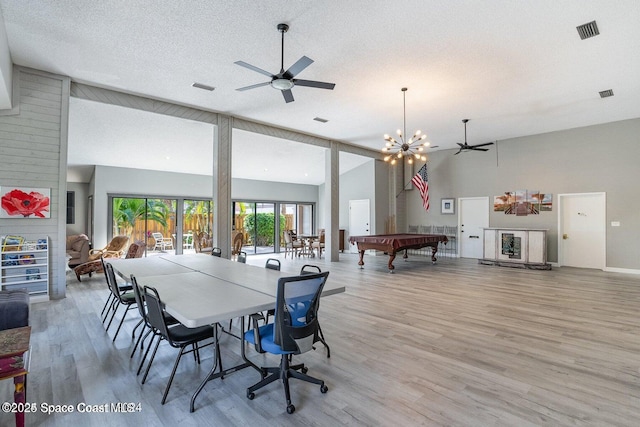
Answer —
392 256
434 249
361 262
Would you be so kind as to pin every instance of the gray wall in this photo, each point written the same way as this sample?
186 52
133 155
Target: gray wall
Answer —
33 153
601 158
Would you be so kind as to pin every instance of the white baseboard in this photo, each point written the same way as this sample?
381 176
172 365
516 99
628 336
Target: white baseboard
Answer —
622 270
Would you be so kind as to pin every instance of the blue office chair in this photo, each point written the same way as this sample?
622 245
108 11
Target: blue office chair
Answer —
293 331
311 269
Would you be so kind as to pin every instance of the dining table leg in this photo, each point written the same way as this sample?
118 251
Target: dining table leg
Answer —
217 371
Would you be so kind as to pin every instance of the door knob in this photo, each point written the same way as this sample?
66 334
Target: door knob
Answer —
565 236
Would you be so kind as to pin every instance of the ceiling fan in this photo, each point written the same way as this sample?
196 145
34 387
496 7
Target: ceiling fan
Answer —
284 80
465 146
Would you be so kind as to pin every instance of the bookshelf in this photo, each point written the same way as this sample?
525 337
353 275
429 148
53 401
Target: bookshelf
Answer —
24 264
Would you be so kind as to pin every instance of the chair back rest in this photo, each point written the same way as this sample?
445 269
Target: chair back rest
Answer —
287 237
242 257
322 236
310 269
217 252
238 241
296 317
272 264
136 249
111 280
118 243
157 236
425 229
137 293
197 238
155 312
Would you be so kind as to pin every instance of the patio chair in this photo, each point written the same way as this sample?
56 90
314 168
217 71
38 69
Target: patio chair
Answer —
162 243
290 244
237 242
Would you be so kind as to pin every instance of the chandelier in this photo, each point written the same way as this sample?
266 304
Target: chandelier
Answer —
411 149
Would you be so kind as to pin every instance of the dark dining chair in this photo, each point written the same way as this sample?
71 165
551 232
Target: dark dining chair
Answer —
242 257
125 299
216 252
178 336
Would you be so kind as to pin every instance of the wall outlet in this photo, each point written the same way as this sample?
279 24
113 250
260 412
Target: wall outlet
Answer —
615 223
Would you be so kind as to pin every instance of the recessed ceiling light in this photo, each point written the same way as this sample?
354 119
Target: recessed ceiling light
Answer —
168 158
320 119
203 86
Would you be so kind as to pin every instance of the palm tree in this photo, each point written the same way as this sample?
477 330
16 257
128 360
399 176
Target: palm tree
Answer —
127 211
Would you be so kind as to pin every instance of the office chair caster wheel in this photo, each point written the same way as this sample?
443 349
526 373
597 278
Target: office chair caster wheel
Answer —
291 409
251 395
304 369
323 388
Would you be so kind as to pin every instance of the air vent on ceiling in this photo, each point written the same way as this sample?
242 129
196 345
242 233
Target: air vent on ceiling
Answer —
320 119
203 86
588 30
606 93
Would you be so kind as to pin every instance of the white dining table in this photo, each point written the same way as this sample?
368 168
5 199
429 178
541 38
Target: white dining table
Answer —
260 279
203 290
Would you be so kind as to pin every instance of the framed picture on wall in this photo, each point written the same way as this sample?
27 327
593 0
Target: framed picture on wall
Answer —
447 206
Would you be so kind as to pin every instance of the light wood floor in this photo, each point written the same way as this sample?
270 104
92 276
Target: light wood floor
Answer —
454 343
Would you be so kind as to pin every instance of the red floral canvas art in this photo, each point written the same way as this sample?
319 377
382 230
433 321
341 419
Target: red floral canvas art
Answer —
25 203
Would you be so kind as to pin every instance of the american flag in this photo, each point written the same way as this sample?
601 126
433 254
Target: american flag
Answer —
421 182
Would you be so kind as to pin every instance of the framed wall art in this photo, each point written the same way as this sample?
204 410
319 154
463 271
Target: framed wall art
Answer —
448 206
18 202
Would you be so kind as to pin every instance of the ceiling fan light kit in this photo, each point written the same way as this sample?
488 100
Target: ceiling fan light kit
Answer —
284 81
410 149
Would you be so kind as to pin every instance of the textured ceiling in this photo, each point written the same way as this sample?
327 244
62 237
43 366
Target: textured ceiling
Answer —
513 68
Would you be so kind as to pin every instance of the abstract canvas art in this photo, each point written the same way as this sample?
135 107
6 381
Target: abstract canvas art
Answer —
24 202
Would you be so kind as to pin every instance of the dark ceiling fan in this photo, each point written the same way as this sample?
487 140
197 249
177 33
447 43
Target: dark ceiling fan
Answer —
465 146
284 80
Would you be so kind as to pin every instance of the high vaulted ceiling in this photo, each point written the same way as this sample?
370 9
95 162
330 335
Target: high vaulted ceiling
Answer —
514 68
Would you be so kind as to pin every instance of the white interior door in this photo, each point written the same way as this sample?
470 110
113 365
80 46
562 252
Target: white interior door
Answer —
473 216
359 220
582 230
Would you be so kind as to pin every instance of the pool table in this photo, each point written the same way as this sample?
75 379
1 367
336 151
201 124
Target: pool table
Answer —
394 243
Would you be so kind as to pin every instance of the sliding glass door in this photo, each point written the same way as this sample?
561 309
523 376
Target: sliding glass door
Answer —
262 223
157 220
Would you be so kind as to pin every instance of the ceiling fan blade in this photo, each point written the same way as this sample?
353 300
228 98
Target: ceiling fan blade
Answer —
473 147
288 96
461 145
254 68
300 65
253 86
459 151
482 145
312 83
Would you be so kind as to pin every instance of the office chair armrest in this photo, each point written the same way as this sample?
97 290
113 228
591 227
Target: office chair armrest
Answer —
255 318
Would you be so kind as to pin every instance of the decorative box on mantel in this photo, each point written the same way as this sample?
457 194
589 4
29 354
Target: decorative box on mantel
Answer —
515 247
